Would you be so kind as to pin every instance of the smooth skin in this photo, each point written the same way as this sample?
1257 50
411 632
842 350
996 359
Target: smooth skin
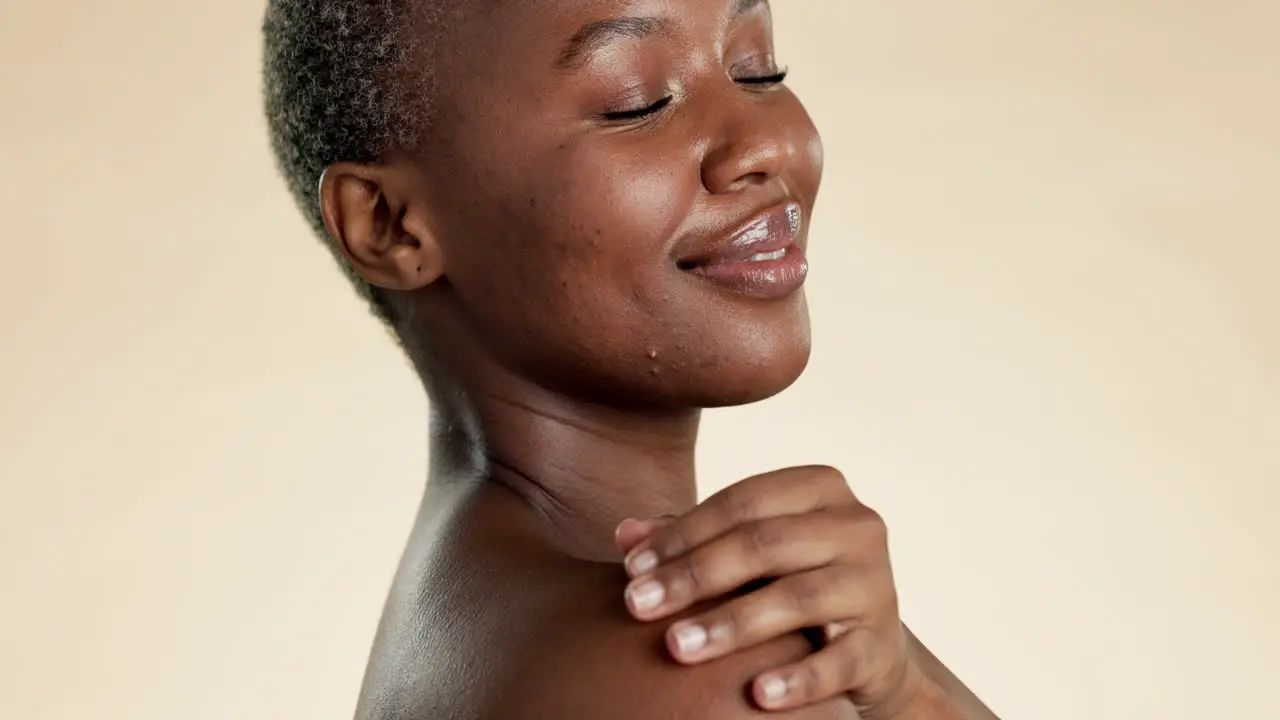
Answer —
577 147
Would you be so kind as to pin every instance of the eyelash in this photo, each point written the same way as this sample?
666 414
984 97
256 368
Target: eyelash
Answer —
773 79
757 82
639 112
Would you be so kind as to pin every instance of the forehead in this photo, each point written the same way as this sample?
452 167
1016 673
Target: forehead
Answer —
502 63
497 30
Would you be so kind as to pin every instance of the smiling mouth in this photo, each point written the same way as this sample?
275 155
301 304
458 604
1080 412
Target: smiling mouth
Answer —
693 265
761 259
766 237
771 275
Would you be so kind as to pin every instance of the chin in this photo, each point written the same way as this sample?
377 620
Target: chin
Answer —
752 357
723 370
758 366
751 384
724 354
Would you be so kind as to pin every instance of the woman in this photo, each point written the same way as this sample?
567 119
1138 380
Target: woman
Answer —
585 220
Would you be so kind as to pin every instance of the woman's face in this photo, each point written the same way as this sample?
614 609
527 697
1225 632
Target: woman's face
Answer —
622 193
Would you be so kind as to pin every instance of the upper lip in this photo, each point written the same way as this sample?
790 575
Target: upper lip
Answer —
773 228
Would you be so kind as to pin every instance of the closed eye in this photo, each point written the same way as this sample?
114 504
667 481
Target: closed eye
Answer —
757 81
638 112
763 80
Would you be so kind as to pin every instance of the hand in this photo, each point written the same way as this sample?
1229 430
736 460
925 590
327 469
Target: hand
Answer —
829 552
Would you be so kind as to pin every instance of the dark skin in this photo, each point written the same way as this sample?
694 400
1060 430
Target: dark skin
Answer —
579 147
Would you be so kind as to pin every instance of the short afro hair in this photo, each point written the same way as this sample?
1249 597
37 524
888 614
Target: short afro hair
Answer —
343 81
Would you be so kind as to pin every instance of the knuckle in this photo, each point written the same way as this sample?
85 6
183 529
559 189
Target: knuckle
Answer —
833 485
807 595
741 504
829 473
816 680
763 540
699 572
873 516
872 524
828 476
670 542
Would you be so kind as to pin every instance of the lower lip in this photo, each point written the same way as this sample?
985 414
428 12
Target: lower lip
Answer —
765 279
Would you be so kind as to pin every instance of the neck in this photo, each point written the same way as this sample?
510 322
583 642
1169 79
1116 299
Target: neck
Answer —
581 468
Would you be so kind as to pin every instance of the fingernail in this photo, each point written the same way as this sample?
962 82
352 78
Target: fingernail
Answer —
646 596
617 532
642 564
690 638
774 689
835 630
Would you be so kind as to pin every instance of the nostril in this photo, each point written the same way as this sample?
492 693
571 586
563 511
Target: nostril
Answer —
750 179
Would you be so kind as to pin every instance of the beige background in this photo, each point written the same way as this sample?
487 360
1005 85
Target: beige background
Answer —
1048 349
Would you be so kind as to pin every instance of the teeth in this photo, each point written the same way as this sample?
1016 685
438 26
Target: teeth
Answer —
761 257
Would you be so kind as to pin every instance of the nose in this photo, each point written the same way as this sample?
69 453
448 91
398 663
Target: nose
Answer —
753 147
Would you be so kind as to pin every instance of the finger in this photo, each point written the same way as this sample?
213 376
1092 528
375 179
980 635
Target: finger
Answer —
850 666
811 599
833 630
632 532
764 549
826 674
791 491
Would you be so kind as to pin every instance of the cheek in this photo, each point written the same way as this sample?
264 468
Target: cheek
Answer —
600 224
619 271
634 199
574 258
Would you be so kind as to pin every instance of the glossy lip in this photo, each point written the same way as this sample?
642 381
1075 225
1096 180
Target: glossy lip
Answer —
774 229
729 264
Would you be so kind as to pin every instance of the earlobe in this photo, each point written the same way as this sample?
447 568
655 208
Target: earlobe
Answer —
376 219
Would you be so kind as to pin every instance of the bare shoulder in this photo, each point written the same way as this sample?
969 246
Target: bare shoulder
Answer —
486 623
552 645
589 659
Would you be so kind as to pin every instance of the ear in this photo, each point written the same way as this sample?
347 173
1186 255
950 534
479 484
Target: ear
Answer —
380 223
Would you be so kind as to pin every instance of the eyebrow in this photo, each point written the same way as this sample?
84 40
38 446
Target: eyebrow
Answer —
742 7
594 36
